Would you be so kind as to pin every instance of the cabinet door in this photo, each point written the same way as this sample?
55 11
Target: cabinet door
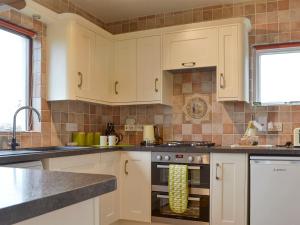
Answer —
229 189
228 77
149 69
84 61
78 214
191 49
103 68
136 186
110 202
124 79
76 164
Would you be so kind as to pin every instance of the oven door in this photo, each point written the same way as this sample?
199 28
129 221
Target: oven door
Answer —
199 175
198 207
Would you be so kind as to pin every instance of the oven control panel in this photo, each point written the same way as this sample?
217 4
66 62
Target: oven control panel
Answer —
172 157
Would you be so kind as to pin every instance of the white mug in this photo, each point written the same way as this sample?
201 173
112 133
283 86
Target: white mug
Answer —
112 140
103 141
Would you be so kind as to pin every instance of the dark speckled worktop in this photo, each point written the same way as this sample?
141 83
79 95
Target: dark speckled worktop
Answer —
26 193
43 153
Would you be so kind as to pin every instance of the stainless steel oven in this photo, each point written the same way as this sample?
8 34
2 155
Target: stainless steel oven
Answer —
199 186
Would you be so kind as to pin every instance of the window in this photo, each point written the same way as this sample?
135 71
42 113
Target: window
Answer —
278 74
15 69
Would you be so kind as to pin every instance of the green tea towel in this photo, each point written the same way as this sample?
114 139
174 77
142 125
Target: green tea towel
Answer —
178 188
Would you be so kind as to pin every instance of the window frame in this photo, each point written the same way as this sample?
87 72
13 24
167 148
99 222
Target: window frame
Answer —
269 50
29 35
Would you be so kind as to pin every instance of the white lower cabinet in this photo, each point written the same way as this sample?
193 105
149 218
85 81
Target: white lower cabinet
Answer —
135 182
83 213
110 202
229 189
76 164
132 199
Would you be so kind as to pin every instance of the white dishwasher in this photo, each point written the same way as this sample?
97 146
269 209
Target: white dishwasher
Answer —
274 190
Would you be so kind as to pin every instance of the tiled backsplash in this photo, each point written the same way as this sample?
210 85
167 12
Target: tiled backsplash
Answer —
226 122
273 21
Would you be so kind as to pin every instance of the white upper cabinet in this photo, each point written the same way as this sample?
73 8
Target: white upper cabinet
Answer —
80 60
84 59
149 72
191 49
233 69
89 64
124 79
71 61
229 189
138 77
104 57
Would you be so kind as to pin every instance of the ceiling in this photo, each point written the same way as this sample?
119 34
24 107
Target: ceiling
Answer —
116 10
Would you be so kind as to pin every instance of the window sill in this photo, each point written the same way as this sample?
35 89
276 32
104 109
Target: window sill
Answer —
276 104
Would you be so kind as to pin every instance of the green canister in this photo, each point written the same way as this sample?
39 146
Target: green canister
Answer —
89 139
79 138
97 138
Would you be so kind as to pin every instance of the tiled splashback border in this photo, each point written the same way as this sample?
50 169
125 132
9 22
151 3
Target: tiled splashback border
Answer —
65 6
273 21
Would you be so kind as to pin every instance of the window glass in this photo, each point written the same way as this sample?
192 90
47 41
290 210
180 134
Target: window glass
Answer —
14 78
278 76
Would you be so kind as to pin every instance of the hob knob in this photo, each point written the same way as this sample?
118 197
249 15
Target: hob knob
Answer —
167 158
159 157
190 158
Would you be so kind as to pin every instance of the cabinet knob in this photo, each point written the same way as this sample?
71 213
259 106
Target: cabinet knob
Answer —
155 85
80 80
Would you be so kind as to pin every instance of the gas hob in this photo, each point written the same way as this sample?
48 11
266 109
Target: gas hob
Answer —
188 144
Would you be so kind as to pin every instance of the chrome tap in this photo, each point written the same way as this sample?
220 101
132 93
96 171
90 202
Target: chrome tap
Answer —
14 143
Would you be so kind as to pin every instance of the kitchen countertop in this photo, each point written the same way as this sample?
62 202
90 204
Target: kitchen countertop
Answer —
27 193
41 153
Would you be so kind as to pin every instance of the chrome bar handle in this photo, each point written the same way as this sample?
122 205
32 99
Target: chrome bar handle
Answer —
155 85
222 80
80 80
217 166
116 84
189 167
125 167
189 64
189 198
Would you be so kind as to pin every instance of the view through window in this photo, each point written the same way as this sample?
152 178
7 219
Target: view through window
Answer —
278 76
14 78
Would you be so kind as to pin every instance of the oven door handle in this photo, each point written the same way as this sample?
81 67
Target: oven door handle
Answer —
189 198
189 167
